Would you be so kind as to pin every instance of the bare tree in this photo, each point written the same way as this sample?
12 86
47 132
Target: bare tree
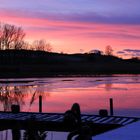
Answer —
39 45
108 50
48 47
11 37
1 36
42 45
25 45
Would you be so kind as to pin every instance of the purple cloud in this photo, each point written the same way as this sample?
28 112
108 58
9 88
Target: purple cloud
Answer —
112 35
120 52
90 17
129 52
97 18
87 17
132 50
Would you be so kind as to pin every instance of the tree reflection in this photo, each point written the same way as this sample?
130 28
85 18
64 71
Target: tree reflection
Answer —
11 95
19 95
40 90
108 86
135 78
108 83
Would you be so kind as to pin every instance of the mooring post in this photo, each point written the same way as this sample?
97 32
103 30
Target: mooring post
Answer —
15 108
111 107
40 104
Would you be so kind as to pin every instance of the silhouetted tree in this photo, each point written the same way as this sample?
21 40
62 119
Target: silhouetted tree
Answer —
48 47
42 45
25 45
108 50
11 37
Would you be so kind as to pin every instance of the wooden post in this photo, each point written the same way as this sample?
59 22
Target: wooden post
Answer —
40 104
111 107
15 108
103 112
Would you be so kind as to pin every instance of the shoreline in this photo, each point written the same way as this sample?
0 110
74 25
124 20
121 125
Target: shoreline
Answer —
62 75
31 64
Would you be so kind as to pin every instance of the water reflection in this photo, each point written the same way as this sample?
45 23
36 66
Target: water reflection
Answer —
58 94
19 95
30 134
108 86
39 91
7 135
11 95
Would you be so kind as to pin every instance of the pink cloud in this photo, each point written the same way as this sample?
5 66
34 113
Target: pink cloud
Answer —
72 36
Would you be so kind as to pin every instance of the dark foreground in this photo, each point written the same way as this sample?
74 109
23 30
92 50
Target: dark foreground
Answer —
55 122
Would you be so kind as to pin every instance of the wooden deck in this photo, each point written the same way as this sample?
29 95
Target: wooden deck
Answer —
54 121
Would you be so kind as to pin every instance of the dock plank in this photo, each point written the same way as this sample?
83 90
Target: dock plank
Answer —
54 121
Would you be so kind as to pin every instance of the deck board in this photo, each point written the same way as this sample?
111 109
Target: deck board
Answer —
52 121
60 116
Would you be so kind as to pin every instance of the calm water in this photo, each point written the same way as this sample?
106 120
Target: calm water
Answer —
92 93
59 94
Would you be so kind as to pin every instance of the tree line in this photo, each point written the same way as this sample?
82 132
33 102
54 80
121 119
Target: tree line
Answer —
12 37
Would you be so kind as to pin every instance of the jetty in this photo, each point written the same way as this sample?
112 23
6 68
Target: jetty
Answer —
54 121
71 121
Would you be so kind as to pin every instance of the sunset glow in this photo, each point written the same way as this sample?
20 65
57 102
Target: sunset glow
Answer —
78 26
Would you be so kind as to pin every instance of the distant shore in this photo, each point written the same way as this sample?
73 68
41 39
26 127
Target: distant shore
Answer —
35 73
31 64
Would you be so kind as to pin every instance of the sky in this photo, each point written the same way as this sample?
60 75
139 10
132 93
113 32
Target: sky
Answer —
78 26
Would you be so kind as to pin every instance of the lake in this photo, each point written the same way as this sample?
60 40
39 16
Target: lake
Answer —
92 93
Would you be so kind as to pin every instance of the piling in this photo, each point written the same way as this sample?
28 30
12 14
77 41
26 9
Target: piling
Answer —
103 112
15 108
40 104
111 107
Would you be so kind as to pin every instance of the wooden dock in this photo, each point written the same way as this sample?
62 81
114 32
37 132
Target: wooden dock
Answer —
54 121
